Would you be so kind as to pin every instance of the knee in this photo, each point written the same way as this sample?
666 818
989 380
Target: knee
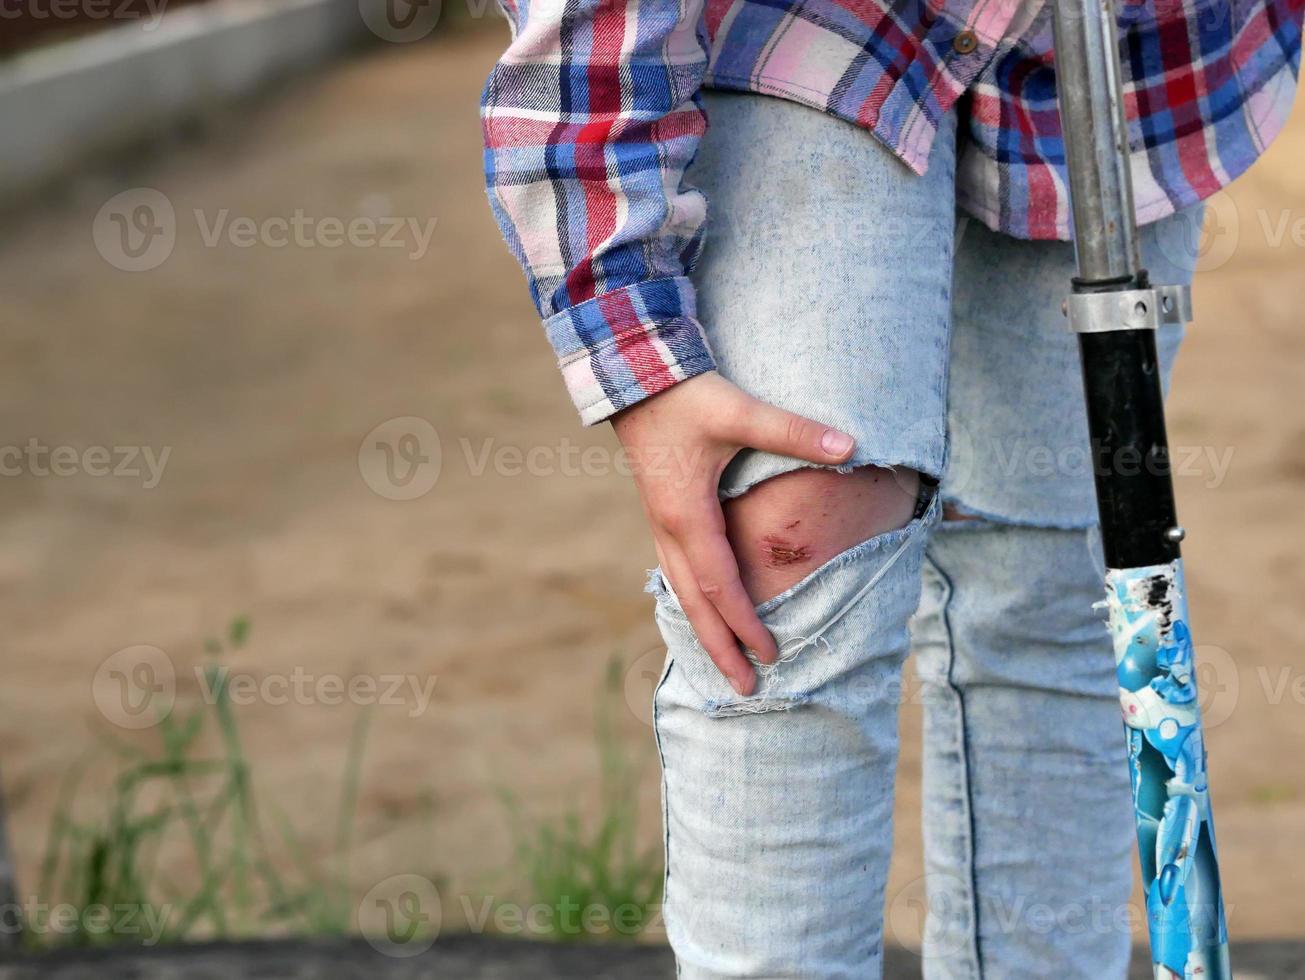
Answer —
786 527
950 513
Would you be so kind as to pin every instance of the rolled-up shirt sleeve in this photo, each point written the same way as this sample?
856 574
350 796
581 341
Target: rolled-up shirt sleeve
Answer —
590 119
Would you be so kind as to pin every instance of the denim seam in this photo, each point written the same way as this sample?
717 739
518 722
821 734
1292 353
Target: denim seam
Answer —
666 815
976 962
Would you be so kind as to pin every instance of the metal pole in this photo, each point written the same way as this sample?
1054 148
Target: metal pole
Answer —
1115 310
1096 143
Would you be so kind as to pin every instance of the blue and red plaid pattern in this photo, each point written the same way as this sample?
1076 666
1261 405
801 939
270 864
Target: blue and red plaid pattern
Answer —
592 115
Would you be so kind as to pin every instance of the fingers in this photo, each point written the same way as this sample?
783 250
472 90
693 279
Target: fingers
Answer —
713 632
765 427
732 603
716 573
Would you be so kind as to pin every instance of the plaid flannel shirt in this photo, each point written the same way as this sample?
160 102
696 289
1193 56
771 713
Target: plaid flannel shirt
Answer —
593 113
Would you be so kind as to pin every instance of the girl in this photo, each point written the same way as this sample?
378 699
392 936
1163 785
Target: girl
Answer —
860 356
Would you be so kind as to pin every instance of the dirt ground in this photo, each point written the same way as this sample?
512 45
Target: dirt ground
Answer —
263 371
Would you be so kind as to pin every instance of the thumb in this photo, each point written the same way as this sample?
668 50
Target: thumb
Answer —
776 431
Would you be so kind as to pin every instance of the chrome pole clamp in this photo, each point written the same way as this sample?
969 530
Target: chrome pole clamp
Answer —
1128 309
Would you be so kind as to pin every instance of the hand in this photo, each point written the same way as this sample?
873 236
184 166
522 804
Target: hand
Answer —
679 442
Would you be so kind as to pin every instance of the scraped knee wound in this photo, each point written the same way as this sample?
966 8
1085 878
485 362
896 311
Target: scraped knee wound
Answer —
788 526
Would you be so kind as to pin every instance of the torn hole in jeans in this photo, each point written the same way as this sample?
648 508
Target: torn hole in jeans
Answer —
773 694
766 698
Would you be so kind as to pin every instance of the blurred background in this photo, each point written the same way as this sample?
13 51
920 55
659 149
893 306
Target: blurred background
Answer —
323 615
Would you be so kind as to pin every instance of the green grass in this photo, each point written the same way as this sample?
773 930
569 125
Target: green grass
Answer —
202 804
190 795
1273 793
588 874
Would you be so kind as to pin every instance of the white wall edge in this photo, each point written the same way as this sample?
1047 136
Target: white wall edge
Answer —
61 103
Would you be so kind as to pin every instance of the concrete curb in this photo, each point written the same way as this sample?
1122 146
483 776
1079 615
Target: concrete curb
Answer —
60 104
466 957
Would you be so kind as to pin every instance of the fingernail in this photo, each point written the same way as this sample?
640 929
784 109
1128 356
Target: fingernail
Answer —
739 689
835 443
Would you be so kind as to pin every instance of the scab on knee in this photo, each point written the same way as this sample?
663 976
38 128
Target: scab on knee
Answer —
783 550
785 528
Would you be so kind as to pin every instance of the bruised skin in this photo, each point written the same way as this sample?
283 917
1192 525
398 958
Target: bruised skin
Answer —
788 526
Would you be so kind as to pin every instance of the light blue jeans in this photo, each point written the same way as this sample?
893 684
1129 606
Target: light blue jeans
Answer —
838 285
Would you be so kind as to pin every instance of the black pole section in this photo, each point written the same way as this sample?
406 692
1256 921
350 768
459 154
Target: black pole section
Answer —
1121 376
1130 449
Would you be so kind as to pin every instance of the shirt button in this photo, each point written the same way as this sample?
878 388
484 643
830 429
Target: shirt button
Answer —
965 42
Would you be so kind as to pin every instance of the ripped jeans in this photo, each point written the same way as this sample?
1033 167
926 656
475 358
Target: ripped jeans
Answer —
837 285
